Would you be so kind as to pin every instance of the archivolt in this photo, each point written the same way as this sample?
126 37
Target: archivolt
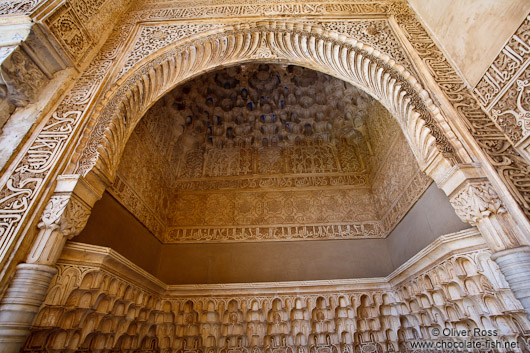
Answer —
306 45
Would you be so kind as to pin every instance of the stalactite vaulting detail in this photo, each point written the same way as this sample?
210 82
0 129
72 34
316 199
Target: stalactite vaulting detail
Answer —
267 152
90 308
349 61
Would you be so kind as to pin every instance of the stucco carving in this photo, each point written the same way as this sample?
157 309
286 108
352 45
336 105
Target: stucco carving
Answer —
21 78
503 90
24 189
377 34
267 152
476 201
65 214
510 165
28 177
188 9
77 24
460 290
506 66
12 7
427 154
152 38
512 111
66 26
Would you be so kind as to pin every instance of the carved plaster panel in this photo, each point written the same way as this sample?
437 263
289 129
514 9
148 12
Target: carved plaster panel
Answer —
15 7
377 34
152 38
510 63
23 188
263 152
78 24
512 110
66 25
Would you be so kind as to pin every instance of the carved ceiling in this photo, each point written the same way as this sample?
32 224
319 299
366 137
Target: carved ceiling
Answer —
267 152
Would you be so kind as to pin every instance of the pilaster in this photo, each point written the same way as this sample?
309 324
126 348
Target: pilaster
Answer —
477 202
64 217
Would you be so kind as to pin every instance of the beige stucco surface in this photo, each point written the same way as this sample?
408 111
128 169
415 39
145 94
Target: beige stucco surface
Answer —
471 32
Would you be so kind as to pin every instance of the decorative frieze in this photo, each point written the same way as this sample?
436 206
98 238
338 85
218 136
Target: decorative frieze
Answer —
513 60
360 180
194 10
277 233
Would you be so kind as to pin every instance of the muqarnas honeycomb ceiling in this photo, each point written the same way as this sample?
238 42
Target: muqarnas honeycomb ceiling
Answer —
268 152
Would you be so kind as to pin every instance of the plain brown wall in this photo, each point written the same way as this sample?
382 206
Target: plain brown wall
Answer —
274 261
113 226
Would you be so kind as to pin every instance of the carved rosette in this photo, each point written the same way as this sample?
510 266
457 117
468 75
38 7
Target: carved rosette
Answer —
477 201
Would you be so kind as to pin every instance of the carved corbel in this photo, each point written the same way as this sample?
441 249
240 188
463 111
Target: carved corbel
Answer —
64 217
476 202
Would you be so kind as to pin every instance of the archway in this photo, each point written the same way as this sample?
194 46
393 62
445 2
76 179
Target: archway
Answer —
431 140
435 146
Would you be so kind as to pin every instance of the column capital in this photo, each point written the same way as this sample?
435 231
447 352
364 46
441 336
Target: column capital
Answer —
475 200
64 217
70 206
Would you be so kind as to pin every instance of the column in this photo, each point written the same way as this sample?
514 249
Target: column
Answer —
63 218
477 202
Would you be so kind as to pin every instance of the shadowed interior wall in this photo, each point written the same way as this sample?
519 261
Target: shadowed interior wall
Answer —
429 218
113 226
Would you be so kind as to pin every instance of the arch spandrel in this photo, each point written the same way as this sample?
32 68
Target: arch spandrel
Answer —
304 45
